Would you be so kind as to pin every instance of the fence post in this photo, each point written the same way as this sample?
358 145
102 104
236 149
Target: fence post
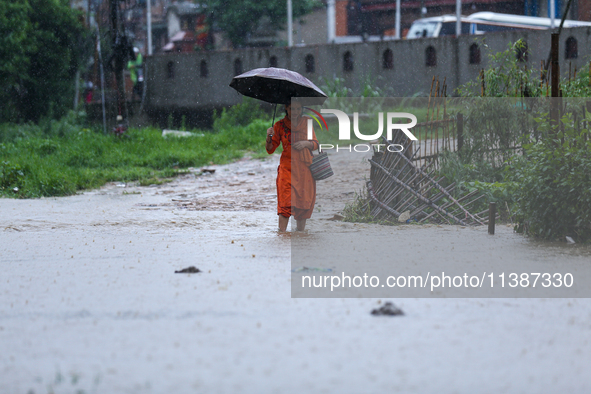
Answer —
460 127
555 78
492 213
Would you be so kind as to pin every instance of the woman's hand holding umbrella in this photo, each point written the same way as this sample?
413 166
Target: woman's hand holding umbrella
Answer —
269 139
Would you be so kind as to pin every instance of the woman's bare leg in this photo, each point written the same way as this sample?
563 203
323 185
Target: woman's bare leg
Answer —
301 224
283 221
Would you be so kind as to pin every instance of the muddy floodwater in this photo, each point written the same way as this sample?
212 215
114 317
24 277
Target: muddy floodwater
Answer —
89 298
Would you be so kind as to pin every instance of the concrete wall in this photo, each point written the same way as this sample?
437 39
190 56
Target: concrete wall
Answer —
189 91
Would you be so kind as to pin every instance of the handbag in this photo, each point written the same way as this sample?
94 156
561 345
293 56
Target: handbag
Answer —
320 167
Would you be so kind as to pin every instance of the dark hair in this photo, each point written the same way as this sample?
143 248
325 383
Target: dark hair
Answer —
293 100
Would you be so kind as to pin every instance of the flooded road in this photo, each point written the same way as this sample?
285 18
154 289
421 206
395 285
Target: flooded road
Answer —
89 299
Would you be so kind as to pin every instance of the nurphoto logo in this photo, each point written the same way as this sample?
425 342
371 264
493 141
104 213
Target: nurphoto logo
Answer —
345 129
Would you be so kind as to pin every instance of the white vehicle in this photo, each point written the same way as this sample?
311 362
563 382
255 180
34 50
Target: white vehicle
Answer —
481 23
436 26
484 22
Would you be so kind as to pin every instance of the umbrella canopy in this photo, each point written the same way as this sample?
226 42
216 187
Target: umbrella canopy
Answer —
277 86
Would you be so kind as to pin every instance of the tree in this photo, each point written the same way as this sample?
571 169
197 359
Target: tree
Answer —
15 46
42 45
238 18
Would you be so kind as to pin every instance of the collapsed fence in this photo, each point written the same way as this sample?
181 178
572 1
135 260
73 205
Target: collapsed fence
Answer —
406 185
399 189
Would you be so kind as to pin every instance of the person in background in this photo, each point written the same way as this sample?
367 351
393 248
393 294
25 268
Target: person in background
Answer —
136 72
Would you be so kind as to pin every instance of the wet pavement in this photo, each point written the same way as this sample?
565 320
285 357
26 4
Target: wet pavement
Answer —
90 300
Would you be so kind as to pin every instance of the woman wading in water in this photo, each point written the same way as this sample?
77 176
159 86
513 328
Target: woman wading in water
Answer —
296 189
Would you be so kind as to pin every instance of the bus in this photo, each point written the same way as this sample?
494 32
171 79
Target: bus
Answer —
485 22
482 23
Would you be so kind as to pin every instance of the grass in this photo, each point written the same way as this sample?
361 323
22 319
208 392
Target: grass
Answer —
358 211
61 159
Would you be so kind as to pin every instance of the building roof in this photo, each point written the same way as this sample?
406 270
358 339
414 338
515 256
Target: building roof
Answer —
185 8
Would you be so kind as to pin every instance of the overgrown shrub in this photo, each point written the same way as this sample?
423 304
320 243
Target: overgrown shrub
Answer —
552 184
241 115
478 176
505 77
42 45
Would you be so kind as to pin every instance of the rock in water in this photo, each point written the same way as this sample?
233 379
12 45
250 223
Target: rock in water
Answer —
404 217
188 270
388 309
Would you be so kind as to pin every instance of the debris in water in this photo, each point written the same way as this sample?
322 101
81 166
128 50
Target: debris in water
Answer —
404 217
311 269
388 309
208 170
188 270
337 217
178 133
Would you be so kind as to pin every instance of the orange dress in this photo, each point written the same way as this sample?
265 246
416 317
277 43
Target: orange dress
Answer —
296 189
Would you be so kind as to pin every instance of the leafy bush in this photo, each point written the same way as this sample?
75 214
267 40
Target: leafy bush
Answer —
506 76
240 115
47 127
42 45
335 87
553 184
476 176
11 175
493 127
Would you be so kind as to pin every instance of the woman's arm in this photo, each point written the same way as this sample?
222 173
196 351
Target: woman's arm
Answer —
305 145
273 139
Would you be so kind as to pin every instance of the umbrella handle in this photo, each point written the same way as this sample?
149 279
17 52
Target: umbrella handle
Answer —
273 122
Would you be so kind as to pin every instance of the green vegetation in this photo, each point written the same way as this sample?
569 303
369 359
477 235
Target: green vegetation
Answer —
552 184
239 19
59 158
42 46
538 173
508 77
544 184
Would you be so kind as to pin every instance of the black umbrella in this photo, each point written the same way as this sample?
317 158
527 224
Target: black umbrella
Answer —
277 86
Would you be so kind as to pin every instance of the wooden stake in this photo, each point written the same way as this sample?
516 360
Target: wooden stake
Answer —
492 213
541 76
482 87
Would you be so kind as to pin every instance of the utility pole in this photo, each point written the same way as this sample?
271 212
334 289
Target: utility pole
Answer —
149 20
331 20
121 53
397 22
458 18
289 24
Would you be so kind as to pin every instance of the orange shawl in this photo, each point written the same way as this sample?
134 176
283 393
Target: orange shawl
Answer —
295 185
